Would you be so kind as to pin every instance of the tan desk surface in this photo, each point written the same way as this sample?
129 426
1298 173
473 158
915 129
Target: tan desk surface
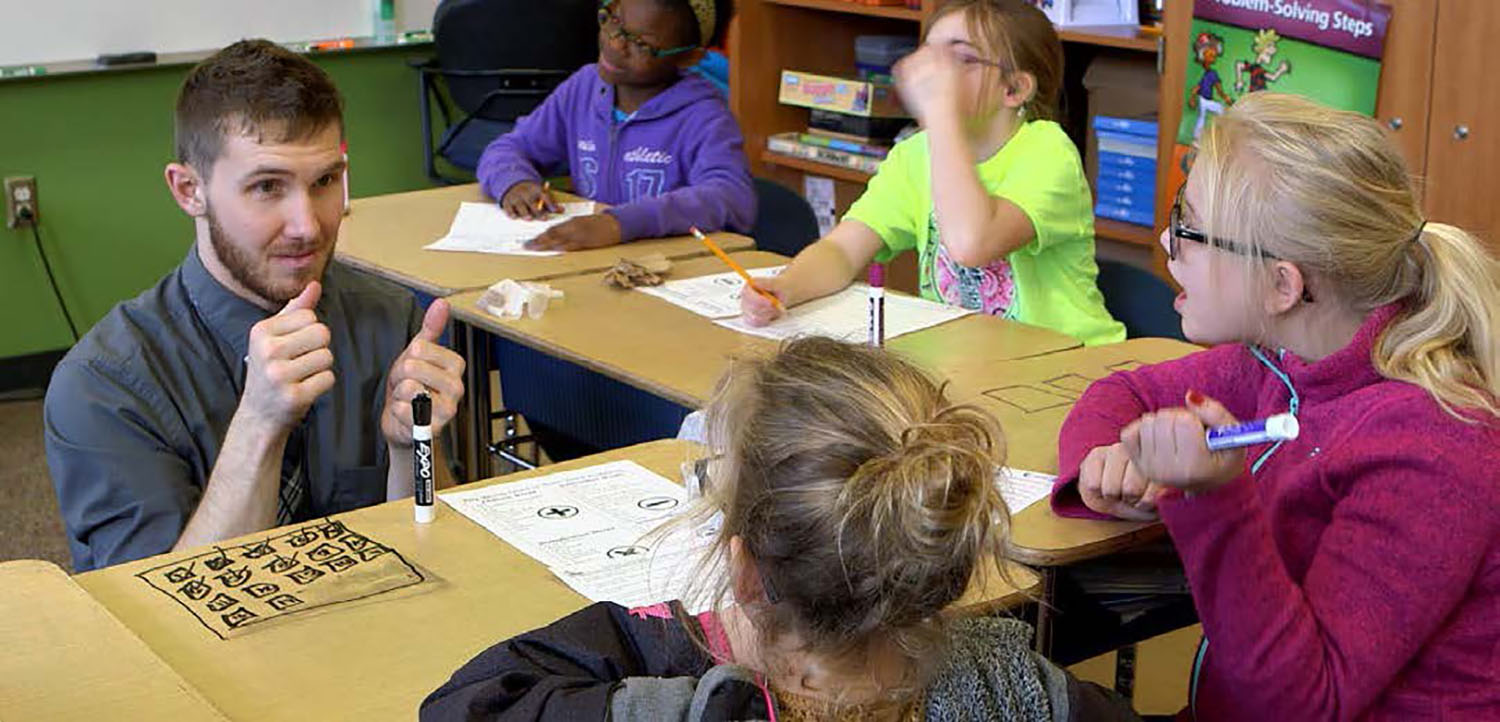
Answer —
384 235
376 659
64 657
1032 397
676 354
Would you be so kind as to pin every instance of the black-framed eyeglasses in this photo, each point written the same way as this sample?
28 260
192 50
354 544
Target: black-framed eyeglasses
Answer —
614 29
1177 233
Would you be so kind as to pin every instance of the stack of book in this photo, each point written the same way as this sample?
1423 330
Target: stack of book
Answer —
1127 170
852 123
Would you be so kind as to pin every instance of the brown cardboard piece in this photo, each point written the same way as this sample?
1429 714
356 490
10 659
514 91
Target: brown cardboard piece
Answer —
63 656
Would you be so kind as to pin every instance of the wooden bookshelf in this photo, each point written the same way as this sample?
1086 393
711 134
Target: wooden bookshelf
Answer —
1143 38
897 12
1124 232
814 167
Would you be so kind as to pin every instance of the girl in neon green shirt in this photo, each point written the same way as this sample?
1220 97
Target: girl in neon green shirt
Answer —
991 194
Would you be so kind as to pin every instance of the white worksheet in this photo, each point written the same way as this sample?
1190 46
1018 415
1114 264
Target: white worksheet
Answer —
484 228
599 529
1021 488
846 316
714 296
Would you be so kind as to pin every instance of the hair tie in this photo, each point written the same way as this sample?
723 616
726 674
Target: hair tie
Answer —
1421 228
704 11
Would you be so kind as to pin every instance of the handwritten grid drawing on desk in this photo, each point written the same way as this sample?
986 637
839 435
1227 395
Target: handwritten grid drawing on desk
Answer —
1054 393
230 589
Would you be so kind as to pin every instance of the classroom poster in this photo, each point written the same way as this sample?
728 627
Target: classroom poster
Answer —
1327 50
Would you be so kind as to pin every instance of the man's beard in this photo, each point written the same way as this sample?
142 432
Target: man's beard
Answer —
253 273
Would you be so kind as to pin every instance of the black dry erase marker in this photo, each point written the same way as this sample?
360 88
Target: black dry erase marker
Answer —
421 457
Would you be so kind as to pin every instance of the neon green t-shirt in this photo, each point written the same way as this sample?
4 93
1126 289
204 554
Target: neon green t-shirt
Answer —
1049 282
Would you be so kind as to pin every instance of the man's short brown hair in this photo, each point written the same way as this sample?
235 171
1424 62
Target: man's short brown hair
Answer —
253 87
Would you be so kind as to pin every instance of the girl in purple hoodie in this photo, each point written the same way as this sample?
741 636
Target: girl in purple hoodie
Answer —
635 131
1351 573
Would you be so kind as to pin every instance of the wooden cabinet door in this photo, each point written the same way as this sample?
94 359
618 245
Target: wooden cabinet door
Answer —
1463 139
1406 78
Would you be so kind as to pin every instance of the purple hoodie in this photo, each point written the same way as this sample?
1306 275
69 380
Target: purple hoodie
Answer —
678 162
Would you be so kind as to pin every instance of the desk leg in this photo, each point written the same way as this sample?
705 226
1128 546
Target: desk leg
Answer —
478 373
1045 609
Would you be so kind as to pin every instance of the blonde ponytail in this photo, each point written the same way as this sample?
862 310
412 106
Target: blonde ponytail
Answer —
1446 341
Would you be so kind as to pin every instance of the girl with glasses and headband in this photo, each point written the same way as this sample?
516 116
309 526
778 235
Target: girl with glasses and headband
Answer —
1352 572
636 132
991 195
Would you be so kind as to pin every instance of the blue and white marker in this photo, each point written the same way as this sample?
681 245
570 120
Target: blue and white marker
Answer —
1281 427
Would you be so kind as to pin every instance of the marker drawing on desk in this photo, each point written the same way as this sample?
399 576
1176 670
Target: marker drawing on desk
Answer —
1281 427
737 268
421 457
877 304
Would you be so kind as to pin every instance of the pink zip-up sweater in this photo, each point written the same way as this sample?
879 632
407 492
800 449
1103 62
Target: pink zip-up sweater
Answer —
1352 574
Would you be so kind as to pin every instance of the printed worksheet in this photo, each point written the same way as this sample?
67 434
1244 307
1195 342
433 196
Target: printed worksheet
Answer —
714 296
484 228
1021 488
599 529
845 316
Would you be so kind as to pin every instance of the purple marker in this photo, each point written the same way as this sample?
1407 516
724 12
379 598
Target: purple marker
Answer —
877 304
1281 427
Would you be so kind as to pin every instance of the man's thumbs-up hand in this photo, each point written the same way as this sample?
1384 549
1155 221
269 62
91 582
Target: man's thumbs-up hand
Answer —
425 365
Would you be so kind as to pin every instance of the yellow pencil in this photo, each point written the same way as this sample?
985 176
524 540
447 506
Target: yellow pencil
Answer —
738 269
546 188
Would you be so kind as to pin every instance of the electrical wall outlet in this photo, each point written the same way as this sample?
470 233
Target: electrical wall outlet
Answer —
20 195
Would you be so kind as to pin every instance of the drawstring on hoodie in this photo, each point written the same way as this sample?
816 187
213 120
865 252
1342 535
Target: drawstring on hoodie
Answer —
1293 404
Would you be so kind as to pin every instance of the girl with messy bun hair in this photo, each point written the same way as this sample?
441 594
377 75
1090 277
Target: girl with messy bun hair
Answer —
857 505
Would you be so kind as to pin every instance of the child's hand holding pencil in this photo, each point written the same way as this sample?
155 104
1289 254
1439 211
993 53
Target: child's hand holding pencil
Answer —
773 307
530 201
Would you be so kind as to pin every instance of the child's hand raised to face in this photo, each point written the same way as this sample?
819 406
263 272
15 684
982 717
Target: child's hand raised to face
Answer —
928 81
595 231
1170 448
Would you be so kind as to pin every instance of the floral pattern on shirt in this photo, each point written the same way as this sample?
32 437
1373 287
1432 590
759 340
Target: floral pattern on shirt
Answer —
990 289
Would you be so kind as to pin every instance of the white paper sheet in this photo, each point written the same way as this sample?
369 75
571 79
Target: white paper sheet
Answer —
484 228
845 316
1021 488
714 296
597 529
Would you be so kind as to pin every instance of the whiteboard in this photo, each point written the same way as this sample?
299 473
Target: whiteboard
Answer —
51 31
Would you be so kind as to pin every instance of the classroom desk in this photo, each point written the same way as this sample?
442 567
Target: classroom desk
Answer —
378 658
64 657
1032 397
678 355
384 235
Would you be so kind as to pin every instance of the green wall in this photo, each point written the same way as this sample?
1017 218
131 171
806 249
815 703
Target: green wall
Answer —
97 143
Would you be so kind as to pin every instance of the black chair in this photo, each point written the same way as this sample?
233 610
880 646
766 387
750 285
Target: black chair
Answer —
784 222
496 61
1140 300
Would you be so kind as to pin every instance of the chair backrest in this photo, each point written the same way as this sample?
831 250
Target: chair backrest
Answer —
470 35
784 222
1140 300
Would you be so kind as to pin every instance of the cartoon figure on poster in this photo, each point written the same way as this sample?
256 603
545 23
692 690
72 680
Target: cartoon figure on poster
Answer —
1207 49
1252 75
